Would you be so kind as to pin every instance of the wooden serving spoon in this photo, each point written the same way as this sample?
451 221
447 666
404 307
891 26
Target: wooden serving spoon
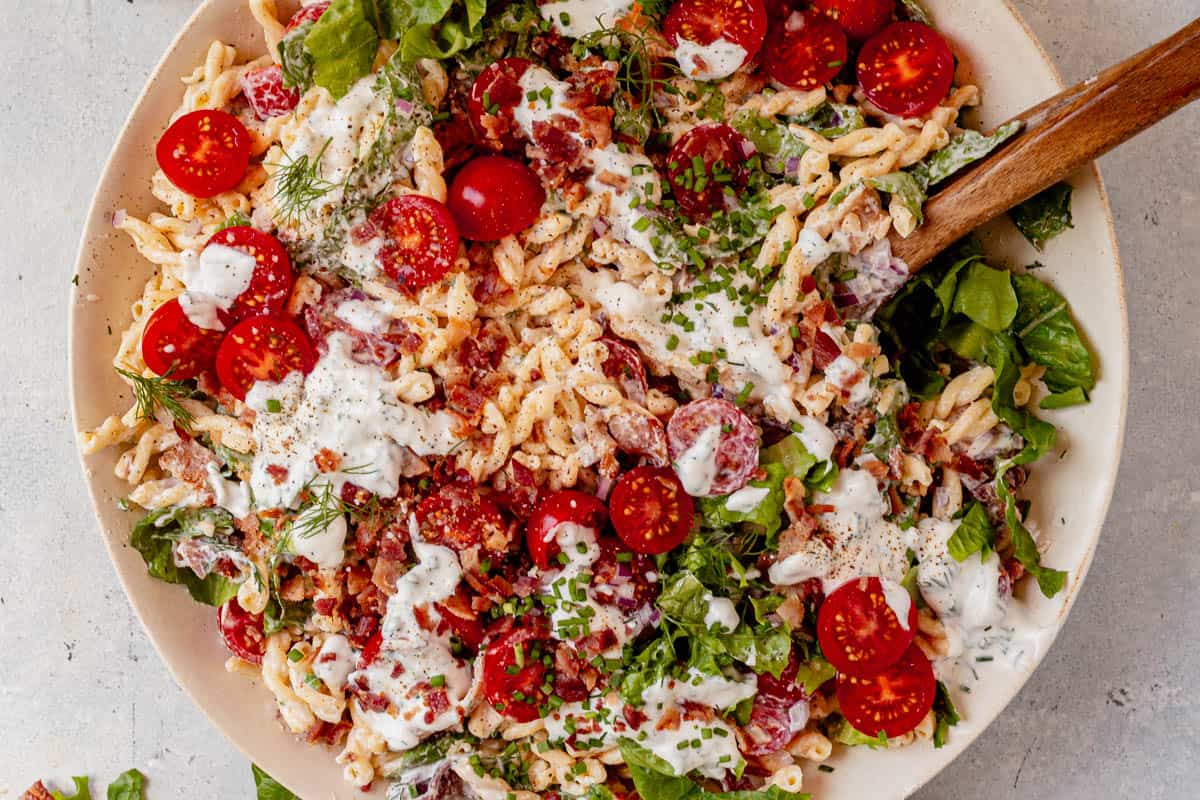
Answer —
1058 137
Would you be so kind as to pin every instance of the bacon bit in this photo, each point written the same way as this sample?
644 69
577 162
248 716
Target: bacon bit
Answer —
825 350
455 136
633 716
292 589
278 474
358 577
894 499
465 400
327 460
796 535
862 351
821 508
876 467
669 721
791 611
188 461
325 606
386 573
330 733
808 284
373 701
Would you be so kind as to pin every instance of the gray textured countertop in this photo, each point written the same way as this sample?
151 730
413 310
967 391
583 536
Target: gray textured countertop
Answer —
1113 712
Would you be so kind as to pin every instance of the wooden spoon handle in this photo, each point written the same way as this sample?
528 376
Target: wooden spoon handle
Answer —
1059 136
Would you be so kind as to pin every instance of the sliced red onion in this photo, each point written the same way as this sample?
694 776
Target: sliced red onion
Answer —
599 226
403 106
624 569
793 165
747 147
603 486
118 217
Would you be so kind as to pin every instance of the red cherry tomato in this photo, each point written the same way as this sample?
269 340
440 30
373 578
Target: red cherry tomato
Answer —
493 197
172 342
736 452
859 632
650 510
743 22
567 505
242 632
262 349
513 673
271 284
494 95
860 19
423 240
267 95
205 152
309 13
906 69
808 50
893 701
703 164
457 517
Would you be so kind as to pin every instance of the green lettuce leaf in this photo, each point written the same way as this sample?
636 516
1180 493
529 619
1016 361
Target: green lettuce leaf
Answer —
153 537
770 137
791 454
655 780
81 790
342 45
1049 337
766 517
765 647
814 673
1072 397
964 149
268 788
906 189
650 666
1050 581
973 535
845 733
1045 215
129 785
986 296
294 59
832 120
423 41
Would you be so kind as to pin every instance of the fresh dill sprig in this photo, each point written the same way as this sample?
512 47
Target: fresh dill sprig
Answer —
325 506
298 184
151 393
637 78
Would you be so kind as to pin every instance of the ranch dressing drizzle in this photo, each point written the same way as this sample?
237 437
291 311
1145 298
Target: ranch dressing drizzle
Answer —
576 18
709 62
214 279
697 466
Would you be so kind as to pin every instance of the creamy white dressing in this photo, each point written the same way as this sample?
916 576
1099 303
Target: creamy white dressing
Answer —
233 496
576 18
324 546
421 655
721 613
898 600
845 373
362 258
349 409
864 544
630 181
709 62
343 129
636 315
334 662
816 437
550 97
746 499
578 544
364 315
697 466
213 281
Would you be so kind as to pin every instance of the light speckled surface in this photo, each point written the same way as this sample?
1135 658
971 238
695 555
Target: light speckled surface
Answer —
1112 712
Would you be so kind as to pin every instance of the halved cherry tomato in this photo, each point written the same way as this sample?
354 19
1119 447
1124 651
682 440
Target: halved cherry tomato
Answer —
859 632
566 505
906 69
262 349
743 22
205 152
271 284
514 674
493 196
309 13
267 95
703 164
494 95
893 701
650 510
458 517
242 632
423 240
172 342
808 50
860 19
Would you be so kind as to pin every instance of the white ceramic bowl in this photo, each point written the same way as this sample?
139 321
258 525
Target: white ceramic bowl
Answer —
1070 494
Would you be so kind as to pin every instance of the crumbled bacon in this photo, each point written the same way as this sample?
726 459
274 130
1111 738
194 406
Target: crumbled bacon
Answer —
37 792
327 460
188 461
278 474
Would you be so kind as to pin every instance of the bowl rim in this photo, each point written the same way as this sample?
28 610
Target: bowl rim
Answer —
96 208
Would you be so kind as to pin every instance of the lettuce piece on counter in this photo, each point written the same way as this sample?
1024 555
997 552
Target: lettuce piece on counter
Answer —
268 788
129 785
1045 215
154 537
81 790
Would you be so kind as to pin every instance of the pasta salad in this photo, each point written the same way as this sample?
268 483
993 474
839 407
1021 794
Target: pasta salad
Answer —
533 391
